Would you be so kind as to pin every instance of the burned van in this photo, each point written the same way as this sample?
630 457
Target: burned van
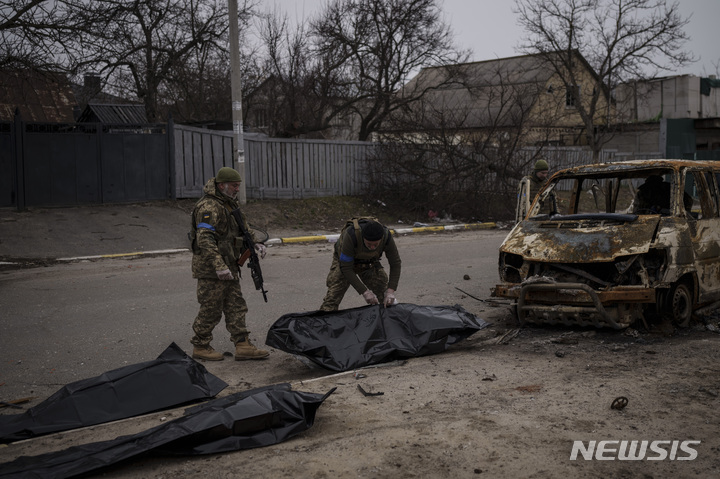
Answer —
624 242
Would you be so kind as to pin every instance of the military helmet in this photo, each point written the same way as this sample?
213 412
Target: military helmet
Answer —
541 165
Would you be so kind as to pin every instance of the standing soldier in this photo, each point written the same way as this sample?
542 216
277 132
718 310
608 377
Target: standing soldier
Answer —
356 262
529 187
217 246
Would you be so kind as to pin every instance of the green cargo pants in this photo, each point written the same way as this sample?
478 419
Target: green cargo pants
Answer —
217 297
373 275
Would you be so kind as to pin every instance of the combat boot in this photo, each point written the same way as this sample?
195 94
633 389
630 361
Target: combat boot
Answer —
207 353
247 350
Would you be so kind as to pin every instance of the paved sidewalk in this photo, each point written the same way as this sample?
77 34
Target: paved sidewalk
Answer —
54 233
110 231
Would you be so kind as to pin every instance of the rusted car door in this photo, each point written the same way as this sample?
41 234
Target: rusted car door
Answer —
704 225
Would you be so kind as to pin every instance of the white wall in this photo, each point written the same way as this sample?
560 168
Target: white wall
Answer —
672 97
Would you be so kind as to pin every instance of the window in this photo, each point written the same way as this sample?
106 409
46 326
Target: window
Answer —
699 195
570 98
712 193
607 195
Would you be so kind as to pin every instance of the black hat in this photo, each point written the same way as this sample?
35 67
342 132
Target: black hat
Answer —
373 231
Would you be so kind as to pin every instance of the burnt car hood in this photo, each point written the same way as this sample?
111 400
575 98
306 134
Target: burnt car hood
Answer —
572 240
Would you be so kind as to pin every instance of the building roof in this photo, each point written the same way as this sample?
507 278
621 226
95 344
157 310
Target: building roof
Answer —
91 91
113 114
485 93
512 70
40 96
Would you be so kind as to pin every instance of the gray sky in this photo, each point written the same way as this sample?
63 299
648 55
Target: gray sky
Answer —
489 29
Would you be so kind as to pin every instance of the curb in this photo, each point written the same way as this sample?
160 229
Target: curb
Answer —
423 229
120 255
296 239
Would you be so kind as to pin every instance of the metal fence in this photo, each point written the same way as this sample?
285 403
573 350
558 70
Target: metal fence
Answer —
199 153
93 163
290 168
285 169
8 165
274 168
65 164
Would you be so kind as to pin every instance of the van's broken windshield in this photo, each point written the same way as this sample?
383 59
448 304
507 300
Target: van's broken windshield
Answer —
646 192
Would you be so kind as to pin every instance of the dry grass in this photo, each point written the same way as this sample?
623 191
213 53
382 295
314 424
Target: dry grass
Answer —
327 213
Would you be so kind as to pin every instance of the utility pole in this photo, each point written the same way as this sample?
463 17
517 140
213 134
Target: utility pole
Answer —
236 87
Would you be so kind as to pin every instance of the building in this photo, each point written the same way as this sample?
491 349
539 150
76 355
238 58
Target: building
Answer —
93 105
506 98
682 96
675 116
39 96
282 110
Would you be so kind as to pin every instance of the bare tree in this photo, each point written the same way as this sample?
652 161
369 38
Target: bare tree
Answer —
297 96
198 89
162 51
620 39
39 34
140 44
375 46
352 60
459 150
716 66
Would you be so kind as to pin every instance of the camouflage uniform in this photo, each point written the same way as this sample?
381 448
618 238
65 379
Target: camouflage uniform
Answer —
354 264
216 247
531 185
215 297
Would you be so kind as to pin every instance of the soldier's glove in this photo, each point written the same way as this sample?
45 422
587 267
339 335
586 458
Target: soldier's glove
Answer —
261 250
224 274
389 297
370 297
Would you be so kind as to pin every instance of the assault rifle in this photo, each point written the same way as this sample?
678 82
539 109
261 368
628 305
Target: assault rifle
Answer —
254 263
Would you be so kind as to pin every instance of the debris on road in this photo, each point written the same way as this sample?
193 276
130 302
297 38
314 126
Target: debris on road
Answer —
14 403
619 403
506 337
366 394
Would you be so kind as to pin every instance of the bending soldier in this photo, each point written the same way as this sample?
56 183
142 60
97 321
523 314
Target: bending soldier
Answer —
356 263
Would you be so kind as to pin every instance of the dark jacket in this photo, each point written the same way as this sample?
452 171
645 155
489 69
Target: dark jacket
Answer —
350 254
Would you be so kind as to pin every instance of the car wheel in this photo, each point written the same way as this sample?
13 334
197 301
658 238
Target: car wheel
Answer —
680 304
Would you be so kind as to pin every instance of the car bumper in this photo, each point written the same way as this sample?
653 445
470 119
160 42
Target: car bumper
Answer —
577 303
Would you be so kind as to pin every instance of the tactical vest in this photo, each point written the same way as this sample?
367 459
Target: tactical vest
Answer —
363 255
230 244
